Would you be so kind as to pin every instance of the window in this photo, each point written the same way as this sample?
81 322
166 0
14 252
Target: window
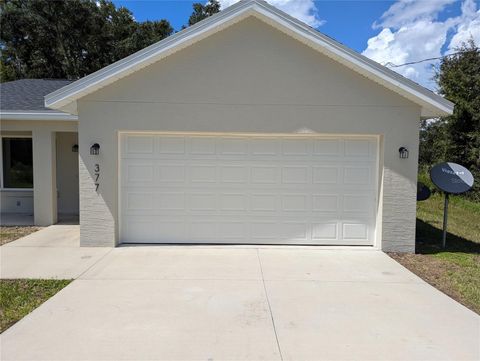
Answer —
17 163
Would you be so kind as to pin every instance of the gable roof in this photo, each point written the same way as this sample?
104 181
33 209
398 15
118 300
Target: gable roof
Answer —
431 104
25 98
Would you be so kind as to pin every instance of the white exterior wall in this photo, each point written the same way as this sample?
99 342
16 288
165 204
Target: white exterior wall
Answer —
248 78
43 200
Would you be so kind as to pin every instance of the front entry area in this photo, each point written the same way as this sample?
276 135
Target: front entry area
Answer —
254 189
67 177
39 177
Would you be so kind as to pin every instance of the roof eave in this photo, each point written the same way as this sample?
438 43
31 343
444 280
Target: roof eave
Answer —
36 115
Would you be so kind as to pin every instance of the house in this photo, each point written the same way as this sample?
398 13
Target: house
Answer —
248 127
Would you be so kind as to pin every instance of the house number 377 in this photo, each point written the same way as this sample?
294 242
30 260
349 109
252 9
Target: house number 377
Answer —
97 176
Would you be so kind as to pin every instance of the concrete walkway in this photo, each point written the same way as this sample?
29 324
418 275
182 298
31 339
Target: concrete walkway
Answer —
52 252
245 303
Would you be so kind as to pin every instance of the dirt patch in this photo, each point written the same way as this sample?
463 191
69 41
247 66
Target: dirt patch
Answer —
438 273
11 233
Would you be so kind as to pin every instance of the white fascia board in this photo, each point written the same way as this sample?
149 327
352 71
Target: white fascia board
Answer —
431 103
25 115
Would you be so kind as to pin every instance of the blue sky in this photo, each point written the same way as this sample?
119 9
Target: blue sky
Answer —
396 31
349 22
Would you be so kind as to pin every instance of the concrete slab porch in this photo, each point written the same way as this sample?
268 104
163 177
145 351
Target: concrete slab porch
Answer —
245 303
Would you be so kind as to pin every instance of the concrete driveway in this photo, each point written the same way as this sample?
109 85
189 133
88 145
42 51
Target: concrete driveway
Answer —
245 303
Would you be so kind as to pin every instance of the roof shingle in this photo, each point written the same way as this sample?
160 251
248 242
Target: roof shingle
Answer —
28 94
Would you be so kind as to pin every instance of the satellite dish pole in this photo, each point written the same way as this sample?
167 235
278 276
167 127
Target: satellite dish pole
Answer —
445 220
451 178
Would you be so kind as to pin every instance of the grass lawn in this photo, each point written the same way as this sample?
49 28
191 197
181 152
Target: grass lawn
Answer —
11 233
455 270
20 297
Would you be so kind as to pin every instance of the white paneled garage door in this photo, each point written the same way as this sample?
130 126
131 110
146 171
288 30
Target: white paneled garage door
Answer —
247 189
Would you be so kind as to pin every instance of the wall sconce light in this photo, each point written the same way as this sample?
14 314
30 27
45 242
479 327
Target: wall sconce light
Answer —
403 152
95 149
75 148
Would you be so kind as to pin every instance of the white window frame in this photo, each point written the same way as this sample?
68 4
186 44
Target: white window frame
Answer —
2 188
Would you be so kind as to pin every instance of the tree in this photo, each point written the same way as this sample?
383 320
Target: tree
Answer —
201 11
69 39
433 142
458 78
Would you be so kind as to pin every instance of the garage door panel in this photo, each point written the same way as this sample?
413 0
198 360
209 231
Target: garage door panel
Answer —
171 173
228 189
140 144
298 231
202 173
297 147
355 231
295 174
233 174
327 147
325 203
327 231
202 145
265 174
139 201
355 203
264 147
141 172
357 175
233 202
148 229
359 148
171 145
325 174
264 202
232 146
295 202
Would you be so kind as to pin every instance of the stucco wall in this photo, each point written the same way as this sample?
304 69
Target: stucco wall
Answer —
248 78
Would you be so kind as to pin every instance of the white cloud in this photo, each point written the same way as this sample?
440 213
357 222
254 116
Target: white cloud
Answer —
407 11
470 28
420 40
411 31
303 10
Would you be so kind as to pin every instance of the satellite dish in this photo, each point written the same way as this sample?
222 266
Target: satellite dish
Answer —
423 192
452 178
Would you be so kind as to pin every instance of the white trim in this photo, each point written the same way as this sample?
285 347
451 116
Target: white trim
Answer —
432 104
247 134
377 239
119 189
25 115
2 188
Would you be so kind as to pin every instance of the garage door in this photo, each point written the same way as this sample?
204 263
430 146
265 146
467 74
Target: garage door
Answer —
247 189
